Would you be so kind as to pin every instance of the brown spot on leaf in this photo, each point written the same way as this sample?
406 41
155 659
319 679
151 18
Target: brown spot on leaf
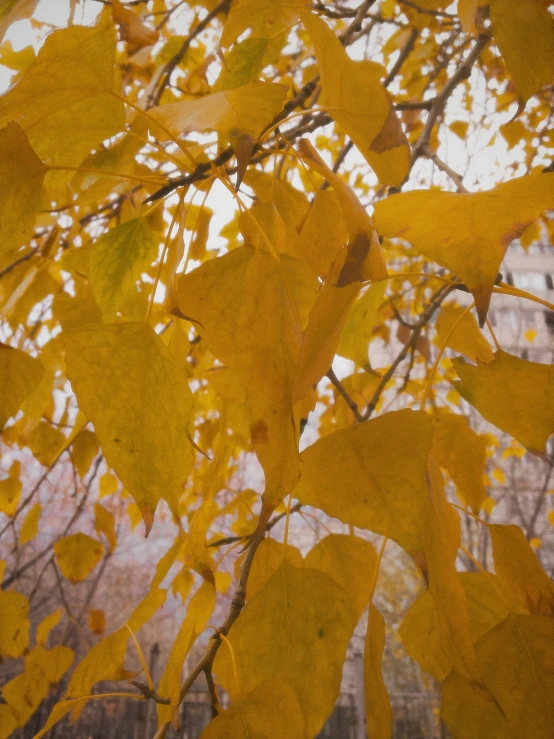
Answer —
259 432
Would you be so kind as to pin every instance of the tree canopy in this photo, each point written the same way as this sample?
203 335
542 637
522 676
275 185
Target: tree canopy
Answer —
251 281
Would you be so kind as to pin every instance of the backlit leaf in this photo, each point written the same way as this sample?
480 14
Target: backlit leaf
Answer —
197 616
14 624
463 454
20 373
29 527
524 32
519 571
242 306
378 710
301 622
271 710
266 18
356 99
117 259
63 101
350 561
128 385
105 661
21 176
516 658
104 523
241 111
77 555
515 395
468 233
466 338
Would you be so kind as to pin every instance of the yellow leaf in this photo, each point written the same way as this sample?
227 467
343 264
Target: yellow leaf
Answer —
117 260
77 555
15 10
381 466
46 442
43 668
322 333
468 233
14 624
392 487
242 306
96 621
60 709
21 176
107 485
301 621
469 13
535 542
29 527
63 100
499 475
132 29
266 18
519 570
128 384
324 232
46 626
364 260
21 374
463 454
8 722
515 395
359 325
105 660
460 129
515 656
84 449
182 584
524 32
10 492
530 335
488 606
350 561
104 523
466 338
358 102
242 111
269 557
271 710
550 517
198 613
377 702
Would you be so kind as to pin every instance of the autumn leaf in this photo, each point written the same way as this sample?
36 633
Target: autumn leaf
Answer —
29 526
463 454
21 177
116 261
266 19
129 386
270 710
77 555
458 330
519 571
515 395
518 651
356 99
304 615
467 233
524 32
64 101
242 306
14 624
21 373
